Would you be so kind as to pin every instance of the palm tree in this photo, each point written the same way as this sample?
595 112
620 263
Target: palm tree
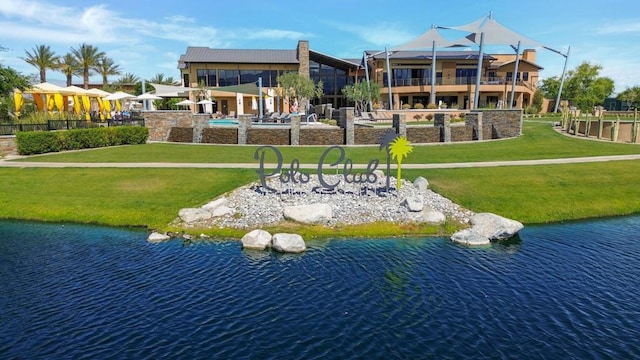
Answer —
88 57
106 67
160 79
68 65
400 148
42 58
127 78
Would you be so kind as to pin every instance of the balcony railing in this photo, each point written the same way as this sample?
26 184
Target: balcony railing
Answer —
463 80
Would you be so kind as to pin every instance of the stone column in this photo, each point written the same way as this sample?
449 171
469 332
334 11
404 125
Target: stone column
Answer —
199 122
295 130
400 124
244 124
443 121
346 121
475 119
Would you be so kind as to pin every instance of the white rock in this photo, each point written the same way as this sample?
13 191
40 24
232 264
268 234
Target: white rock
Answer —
495 227
212 205
470 237
190 215
256 239
288 243
414 203
309 214
421 183
429 215
222 211
156 237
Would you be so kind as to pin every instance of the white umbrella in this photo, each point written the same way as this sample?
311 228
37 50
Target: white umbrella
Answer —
119 95
148 96
254 103
204 102
185 102
98 92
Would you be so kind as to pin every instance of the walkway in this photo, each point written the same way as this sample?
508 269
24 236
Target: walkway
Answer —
24 164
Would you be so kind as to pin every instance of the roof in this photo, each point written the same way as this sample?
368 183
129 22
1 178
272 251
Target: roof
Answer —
254 56
332 60
497 65
423 55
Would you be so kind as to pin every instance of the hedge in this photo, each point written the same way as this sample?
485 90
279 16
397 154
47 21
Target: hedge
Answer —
38 142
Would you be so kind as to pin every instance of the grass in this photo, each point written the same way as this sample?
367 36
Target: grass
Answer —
538 142
152 197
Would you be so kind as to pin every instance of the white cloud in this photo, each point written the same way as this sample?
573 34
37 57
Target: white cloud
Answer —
621 27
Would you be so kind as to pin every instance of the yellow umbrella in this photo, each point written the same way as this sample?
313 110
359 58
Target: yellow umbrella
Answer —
19 101
87 106
107 107
100 108
118 105
58 100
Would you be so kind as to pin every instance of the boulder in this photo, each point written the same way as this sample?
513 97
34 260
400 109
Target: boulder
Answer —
212 205
190 215
288 243
156 237
470 237
222 211
256 239
421 184
431 216
495 227
414 203
309 214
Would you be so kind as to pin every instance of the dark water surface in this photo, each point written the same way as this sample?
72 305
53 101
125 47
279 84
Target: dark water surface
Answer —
568 291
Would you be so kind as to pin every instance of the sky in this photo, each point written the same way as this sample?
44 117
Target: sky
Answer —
147 37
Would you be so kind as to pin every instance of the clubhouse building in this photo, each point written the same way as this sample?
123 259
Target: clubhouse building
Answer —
410 76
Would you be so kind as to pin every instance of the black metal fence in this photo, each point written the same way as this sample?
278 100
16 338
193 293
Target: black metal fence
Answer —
53 125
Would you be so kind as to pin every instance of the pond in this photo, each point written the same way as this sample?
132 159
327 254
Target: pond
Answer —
558 291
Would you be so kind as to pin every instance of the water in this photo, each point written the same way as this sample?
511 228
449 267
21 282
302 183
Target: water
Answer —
222 122
568 291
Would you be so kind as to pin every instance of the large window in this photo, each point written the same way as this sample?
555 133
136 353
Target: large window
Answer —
228 77
185 80
201 76
466 76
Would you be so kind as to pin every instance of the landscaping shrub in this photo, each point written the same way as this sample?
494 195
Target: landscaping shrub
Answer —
429 117
432 106
406 106
418 106
40 142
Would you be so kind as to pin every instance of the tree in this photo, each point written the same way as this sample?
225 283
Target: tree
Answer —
293 85
42 58
537 101
105 67
584 87
88 57
127 79
360 93
161 79
631 96
11 79
68 65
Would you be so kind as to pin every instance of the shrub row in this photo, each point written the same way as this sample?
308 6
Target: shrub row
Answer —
40 142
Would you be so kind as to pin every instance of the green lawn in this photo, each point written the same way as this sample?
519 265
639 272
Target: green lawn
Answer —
152 197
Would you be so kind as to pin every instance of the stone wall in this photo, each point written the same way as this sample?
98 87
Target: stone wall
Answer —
262 136
423 134
505 123
8 145
334 136
181 134
220 135
161 122
368 135
462 133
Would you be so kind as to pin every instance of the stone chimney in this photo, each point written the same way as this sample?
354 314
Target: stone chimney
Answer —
303 57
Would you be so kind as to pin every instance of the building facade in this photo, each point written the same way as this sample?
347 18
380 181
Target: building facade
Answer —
455 80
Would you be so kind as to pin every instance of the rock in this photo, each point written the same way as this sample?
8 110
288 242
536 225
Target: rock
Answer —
288 243
470 237
421 184
429 215
190 215
212 205
309 214
414 203
495 227
256 239
222 211
381 176
156 237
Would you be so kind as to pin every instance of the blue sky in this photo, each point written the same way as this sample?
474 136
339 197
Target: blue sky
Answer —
147 37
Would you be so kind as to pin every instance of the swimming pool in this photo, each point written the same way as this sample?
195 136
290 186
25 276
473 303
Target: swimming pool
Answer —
223 122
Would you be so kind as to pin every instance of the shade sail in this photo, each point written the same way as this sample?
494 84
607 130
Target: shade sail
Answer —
118 95
426 41
494 33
